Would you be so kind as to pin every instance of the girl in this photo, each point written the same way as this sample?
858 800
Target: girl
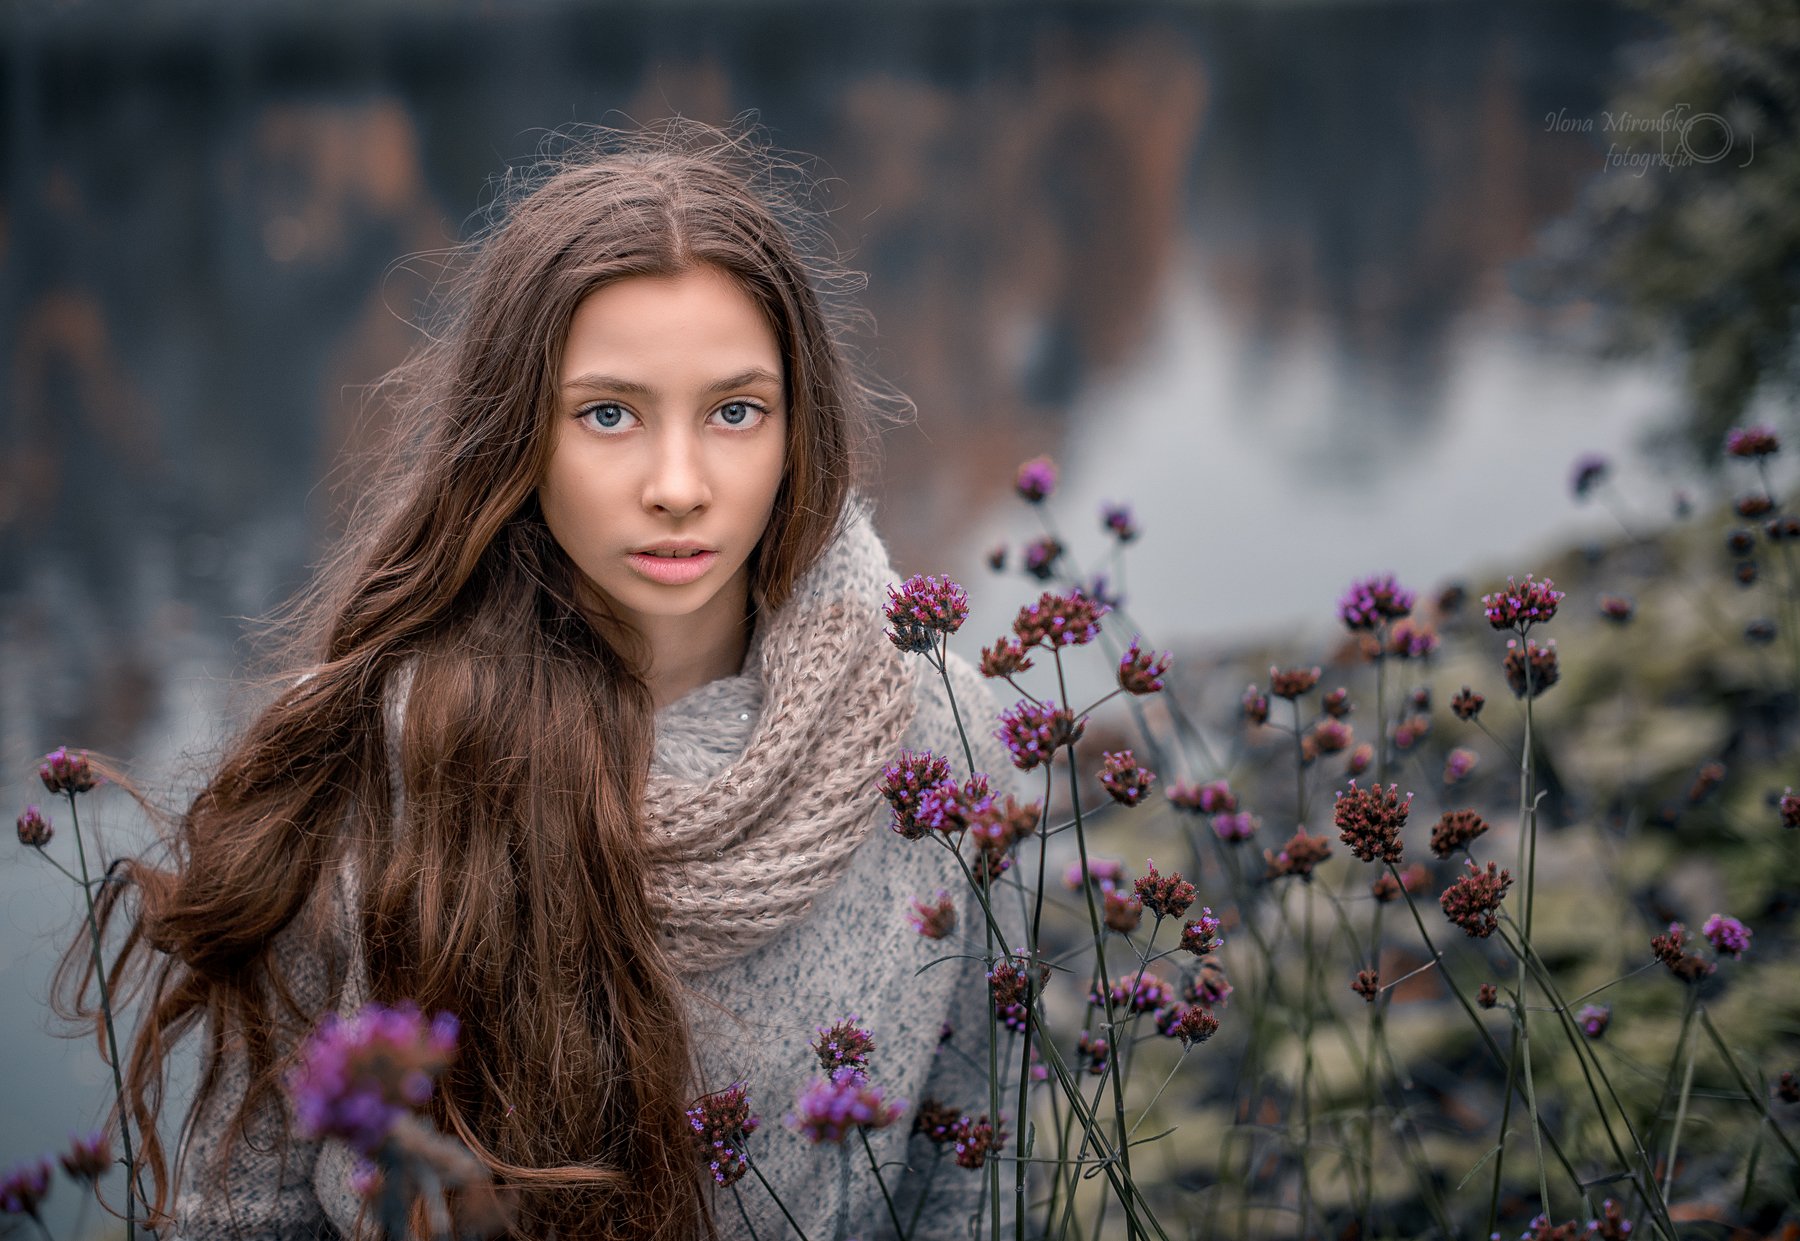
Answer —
583 747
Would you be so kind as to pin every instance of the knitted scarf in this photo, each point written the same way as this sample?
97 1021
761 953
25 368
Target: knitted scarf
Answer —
739 857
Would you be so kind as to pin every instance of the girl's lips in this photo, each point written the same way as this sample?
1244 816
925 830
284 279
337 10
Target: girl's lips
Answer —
671 570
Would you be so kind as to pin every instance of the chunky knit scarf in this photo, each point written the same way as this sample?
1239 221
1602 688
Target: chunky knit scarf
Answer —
741 856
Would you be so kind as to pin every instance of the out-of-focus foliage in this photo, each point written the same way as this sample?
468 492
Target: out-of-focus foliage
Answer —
1691 238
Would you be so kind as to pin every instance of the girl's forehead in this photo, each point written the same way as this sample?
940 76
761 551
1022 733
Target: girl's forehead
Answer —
697 325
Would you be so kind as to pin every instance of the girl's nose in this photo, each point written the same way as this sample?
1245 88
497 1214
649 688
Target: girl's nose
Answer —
677 482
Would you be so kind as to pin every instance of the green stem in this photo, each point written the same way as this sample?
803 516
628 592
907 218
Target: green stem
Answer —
780 1205
1687 1086
862 1131
132 1189
924 1190
1750 1092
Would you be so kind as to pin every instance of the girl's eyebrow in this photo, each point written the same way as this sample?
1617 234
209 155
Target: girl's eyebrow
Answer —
611 383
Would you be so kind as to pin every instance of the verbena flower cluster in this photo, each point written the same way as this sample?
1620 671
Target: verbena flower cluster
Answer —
844 1045
1141 671
67 771
1034 731
904 782
357 1075
830 1110
1124 779
722 1124
921 609
1298 856
1167 896
1454 830
1522 605
1370 821
1544 670
1372 601
1059 620
1473 901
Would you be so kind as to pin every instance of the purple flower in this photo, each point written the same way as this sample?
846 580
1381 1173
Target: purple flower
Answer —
1166 896
1034 731
1522 605
1138 994
829 1109
1188 1022
1041 555
1010 985
1209 988
1615 608
88 1156
722 1123
1036 479
1255 706
1544 669
1727 935
1141 671
1473 901
1006 658
1123 778
1369 821
845 1045
1235 827
1059 620
1212 798
1369 602
1104 873
1290 683
1410 641
1117 518
948 807
904 782
1593 1019
936 920
1590 469
1458 766
34 829
1790 807
25 1187
357 1075
922 608
1201 935
67 771
1749 442
1670 949
975 1137
1467 704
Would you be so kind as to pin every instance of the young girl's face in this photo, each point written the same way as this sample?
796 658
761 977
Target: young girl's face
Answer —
670 443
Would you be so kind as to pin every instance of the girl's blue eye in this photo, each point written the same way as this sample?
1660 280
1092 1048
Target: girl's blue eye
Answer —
739 413
607 416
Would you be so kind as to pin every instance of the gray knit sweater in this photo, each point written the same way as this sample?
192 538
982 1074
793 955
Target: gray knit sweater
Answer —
854 953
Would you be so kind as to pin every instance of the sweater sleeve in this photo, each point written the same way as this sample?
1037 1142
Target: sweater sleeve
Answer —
265 1189
956 1203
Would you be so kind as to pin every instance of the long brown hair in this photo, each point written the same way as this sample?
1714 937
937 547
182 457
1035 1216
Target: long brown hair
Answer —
512 890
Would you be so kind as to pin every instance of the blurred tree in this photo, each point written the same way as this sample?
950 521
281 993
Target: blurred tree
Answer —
1690 237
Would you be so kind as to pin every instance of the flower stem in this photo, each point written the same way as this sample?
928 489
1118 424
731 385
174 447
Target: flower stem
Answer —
112 1039
1124 1152
1755 1096
862 1131
1687 1086
780 1205
1527 869
924 1191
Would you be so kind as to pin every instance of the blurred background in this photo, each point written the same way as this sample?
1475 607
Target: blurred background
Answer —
1321 289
